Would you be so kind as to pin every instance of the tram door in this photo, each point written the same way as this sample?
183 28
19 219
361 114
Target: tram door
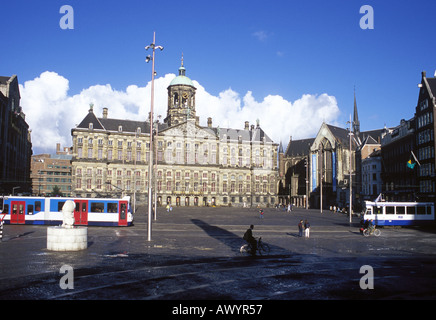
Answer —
122 214
18 212
81 212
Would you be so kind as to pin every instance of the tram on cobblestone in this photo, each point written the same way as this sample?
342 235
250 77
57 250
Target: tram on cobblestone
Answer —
48 211
399 213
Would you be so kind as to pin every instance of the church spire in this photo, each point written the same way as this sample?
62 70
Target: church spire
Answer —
356 122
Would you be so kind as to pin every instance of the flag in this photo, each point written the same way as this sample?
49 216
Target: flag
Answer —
411 164
378 198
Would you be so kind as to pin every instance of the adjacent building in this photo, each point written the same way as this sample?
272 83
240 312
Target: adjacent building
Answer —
425 146
399 180
51 173
371 176
293 172
15 141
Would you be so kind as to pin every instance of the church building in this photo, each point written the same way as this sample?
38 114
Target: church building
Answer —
193 165
317 172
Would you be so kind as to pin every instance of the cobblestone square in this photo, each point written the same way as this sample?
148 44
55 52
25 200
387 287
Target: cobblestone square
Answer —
194 255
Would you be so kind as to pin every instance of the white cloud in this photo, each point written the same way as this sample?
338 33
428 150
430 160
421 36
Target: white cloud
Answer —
51 113
260 35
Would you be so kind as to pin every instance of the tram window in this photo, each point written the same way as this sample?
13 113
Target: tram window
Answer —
400 210
390 210
378 210
97 207
123 211
30 208
421 210
37 206
6 208
112 207
60 205
410 210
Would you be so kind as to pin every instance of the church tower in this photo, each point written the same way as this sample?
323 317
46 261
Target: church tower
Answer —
181 99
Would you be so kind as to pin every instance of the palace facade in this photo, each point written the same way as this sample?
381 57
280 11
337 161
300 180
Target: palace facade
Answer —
193 165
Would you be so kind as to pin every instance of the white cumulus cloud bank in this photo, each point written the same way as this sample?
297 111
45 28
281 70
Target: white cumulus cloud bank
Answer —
51 112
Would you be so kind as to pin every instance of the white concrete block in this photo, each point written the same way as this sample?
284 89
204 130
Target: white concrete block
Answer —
65 239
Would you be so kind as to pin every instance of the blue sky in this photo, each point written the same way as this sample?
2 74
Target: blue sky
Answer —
268 48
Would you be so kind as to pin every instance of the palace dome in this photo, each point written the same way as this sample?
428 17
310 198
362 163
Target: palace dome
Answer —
182 79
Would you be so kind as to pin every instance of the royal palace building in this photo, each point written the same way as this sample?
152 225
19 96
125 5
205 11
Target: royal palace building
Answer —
193 165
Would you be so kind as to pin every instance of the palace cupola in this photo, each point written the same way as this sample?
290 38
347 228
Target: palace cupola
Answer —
181 99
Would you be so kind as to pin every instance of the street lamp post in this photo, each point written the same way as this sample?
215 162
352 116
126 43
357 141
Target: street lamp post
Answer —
322 175
307 182
150 160
351 179
155 170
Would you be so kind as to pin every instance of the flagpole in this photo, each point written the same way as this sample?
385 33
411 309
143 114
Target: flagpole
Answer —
351 178
414 157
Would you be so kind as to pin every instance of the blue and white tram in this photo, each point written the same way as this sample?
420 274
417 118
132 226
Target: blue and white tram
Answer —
48 211
399 213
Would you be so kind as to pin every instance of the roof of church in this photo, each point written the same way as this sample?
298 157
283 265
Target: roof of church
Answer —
299 147
302 147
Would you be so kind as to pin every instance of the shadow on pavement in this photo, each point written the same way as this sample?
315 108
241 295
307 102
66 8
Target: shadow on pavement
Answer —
230 239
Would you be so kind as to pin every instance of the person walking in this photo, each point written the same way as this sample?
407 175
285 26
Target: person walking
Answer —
261 213
300 228
306 228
